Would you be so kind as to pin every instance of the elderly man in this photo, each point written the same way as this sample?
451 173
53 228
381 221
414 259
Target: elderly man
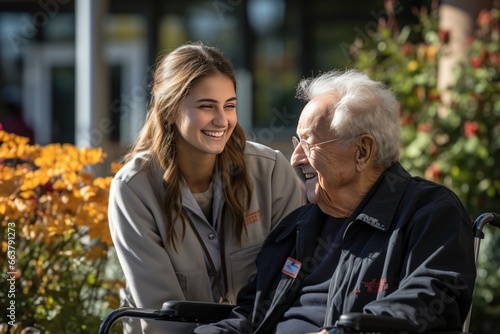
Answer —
373 238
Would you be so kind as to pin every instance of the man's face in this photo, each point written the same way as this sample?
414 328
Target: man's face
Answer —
329 168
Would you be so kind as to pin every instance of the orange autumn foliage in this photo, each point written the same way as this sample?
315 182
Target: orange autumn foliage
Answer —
53 219
49 190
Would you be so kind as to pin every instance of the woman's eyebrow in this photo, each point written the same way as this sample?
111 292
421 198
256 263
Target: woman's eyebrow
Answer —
207 100
215 101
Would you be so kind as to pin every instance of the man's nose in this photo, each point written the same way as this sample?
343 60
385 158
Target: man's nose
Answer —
298 157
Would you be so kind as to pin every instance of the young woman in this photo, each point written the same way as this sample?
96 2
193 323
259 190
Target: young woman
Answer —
191 207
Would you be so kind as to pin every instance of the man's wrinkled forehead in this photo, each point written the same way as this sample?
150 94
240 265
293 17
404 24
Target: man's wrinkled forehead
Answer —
317 114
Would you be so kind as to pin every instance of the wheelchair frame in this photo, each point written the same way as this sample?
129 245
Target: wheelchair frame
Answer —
205 313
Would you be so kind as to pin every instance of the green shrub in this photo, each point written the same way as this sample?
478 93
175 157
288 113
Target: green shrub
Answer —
455 144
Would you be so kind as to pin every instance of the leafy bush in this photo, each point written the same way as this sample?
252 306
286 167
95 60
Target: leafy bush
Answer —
456 143
53 219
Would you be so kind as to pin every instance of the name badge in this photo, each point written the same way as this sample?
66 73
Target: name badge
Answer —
291 267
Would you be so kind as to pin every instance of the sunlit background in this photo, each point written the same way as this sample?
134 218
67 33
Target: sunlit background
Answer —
78 72
272 44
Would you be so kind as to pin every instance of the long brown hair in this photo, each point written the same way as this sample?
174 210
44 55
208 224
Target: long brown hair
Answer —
174 76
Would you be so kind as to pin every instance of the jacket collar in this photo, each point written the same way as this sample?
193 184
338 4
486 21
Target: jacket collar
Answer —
380 204
305 227
308 215
377 209
189 202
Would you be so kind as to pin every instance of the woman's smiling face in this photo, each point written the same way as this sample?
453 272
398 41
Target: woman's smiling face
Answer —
207 116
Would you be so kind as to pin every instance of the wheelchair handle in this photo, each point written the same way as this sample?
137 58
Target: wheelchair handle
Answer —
491 218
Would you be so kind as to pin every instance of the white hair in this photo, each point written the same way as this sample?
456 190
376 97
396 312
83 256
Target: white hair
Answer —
364 106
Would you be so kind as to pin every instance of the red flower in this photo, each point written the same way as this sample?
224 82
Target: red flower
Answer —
407 49
432 172
48 187
434 150
471 129
477 62
484 18
444 36
407 119
425 127
494 57
434 96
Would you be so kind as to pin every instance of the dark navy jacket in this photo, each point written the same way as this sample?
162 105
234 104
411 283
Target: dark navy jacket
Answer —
407 252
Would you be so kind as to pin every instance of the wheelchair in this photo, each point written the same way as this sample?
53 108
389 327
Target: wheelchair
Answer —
205 313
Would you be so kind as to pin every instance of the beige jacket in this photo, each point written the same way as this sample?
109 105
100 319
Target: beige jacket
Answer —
155 273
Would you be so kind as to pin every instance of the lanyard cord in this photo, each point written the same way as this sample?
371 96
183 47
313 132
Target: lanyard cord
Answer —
223 296
222 249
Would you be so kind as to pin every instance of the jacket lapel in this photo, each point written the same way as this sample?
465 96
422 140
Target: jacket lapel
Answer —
302 240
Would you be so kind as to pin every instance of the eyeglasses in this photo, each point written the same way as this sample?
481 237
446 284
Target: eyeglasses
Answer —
308 147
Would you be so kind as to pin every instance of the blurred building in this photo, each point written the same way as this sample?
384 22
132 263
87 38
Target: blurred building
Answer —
272 43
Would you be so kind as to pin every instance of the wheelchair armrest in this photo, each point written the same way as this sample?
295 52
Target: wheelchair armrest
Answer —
173 310
360 322
351 323
197 312
127 312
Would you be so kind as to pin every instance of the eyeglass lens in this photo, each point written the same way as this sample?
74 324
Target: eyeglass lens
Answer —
305 146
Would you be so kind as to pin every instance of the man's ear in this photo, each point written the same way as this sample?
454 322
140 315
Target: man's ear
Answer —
365 152
361 152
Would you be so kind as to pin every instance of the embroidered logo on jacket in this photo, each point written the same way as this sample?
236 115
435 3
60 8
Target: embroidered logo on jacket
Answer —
370 221
252 217
374 286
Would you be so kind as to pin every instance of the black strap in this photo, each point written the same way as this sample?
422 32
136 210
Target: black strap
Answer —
222 248
223 295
